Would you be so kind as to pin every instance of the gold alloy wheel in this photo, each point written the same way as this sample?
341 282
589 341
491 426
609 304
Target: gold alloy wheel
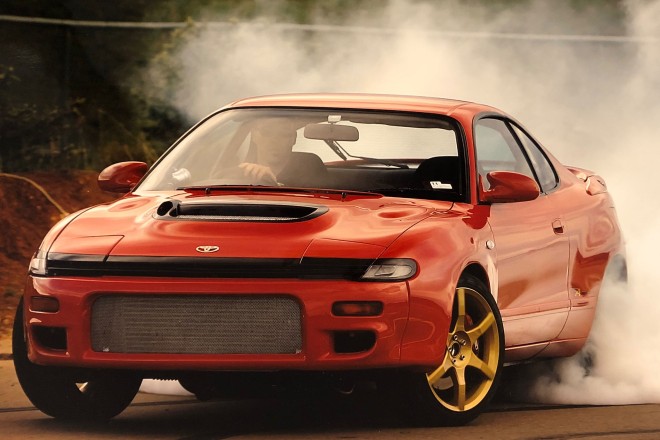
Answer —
468 370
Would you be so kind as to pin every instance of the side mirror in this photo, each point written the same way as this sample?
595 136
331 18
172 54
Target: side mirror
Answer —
122 177
507 186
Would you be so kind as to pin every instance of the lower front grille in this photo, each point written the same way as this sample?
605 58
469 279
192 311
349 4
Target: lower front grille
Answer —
196 324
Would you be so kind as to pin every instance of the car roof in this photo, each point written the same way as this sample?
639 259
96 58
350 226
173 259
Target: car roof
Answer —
365 101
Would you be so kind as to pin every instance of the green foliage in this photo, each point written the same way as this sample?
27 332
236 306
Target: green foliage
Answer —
45 137
152 90
70 136
24 139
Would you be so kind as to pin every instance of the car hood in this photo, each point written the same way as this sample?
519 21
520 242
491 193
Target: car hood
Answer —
236 225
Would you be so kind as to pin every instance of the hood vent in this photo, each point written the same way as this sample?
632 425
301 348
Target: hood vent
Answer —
238 212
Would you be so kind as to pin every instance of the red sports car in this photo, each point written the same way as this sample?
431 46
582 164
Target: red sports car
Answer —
419 244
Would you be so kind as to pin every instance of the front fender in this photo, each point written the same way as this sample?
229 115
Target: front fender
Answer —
443 245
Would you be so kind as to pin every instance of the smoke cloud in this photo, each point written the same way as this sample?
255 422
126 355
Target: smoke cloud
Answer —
592 101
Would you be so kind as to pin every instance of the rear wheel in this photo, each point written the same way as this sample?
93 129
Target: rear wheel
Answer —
461 387
71 394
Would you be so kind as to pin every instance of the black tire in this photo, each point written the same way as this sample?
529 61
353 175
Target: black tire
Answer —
70 394
474 357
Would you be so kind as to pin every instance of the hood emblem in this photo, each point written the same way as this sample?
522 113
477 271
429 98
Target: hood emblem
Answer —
207 249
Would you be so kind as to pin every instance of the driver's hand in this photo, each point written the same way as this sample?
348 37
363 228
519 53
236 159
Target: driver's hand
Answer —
257 172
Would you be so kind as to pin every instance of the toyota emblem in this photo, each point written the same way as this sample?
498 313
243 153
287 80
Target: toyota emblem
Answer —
207 249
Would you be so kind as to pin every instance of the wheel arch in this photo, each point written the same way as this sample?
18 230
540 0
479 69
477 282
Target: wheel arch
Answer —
478 271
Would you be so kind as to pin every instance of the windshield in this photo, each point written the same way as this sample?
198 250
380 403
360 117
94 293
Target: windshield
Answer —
390 153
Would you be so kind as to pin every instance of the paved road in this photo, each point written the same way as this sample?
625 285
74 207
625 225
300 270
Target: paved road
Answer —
184 418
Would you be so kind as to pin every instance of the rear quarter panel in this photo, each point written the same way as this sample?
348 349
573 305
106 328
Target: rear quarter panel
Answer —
594 239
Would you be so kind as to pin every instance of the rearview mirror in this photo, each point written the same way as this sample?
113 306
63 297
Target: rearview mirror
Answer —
332 132
121 177
507 186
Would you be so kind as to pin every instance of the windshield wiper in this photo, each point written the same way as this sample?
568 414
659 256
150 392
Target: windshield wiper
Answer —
341 152
336 148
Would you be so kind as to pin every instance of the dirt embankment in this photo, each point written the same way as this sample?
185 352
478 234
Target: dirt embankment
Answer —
27 214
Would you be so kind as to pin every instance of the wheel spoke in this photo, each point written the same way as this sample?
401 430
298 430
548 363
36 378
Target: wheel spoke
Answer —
440 371
482 366
460 388
482 327
460 312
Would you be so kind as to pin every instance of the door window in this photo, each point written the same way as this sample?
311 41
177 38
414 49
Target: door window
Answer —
498 150
546 173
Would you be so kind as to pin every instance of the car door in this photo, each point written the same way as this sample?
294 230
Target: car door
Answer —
531 248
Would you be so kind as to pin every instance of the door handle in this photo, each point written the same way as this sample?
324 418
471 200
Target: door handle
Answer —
558 226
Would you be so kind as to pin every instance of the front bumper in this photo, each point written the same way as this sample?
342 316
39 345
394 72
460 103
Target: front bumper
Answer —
319 326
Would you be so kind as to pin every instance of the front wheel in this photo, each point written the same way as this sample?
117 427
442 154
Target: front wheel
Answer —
461 387
67 394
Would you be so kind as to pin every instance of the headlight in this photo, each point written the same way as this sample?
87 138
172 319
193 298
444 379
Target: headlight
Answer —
392 269
38 263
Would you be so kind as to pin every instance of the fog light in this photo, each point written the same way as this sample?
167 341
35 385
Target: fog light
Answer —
357 308
53 338
46 304
354 341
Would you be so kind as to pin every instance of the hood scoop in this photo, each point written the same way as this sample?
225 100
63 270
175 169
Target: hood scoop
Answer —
238 211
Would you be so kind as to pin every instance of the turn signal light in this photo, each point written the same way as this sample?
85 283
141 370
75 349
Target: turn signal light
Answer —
391 269
357 308
38 264
46 304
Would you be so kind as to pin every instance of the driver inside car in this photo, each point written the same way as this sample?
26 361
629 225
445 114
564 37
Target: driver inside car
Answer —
271 142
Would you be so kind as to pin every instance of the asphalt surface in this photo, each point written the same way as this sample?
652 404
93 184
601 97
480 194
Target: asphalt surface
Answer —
184 418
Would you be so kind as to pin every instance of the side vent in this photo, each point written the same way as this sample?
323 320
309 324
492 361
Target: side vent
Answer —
238 212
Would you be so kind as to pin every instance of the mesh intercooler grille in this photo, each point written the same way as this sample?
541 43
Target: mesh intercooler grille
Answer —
196 324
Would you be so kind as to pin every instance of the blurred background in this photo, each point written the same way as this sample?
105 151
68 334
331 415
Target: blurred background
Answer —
87 83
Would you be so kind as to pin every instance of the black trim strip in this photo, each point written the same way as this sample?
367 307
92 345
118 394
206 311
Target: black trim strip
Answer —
205 267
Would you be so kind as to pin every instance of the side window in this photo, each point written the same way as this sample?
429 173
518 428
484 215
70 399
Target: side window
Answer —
498 150
546 173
